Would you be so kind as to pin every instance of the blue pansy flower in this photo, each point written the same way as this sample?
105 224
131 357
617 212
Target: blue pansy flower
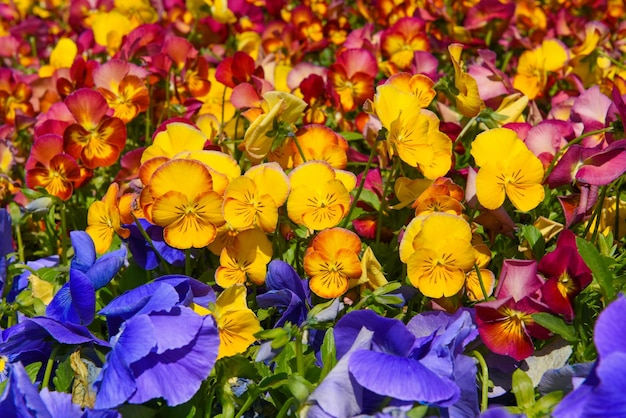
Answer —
601 394
6 245
75 302
380 359
161 347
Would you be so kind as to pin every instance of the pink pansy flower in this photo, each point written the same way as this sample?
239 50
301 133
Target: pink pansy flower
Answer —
589 113
566 273
506 325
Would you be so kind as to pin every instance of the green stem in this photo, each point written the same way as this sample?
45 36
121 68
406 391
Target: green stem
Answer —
480 280
249 400
595 218
49 365
574 141
285 408
295 141
484 380
383 201
360 188
466 128
20 243
63 235
148 139
299 355
209 406
188 262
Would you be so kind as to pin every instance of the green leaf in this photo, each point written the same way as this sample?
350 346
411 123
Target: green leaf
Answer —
273 382
417 412
370 198
351 136
137 411
329 353
545 404
299 387
63 376
556 325
599 266
32 370
523 389
535 240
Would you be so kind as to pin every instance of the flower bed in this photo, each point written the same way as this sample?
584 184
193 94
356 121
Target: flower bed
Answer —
317 209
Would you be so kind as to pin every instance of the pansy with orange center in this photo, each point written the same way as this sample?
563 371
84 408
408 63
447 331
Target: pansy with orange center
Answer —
236 323
184 203
103 220
96 139
122 85
352 77
442 196
438 252
507 168
320 195
318 142
254 198
400 41
246 259
534 66
331 261
49 167
419 85
468 100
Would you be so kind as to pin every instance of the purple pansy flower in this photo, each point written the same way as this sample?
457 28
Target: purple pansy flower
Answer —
161 348
601 394
144 254
76 301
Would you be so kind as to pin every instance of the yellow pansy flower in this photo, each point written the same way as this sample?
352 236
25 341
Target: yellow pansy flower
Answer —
323 202
253 199
103 220
246 258
533 67
331 261
236 323
438 251
468 101
507 168
185 204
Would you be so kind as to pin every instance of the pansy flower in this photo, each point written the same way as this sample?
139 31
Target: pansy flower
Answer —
505 324
122 85
507 168
402 39
331 261
534 66
236 323
566 275
352 77
185 204
318 142
103 220
75 302
246 258
438 252
254 198
323 203
49 167
96 139
468 100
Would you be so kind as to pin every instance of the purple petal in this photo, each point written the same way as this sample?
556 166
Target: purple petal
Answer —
67 333
185 331
401 378
176 375
390 335
21 398
281 275
136 340
84 251
106 267
115 383
610 329
289 304
60 404
608 397
337 395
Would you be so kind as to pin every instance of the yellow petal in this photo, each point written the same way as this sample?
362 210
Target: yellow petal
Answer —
270 179
188 177
496 145
490 190
236 330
